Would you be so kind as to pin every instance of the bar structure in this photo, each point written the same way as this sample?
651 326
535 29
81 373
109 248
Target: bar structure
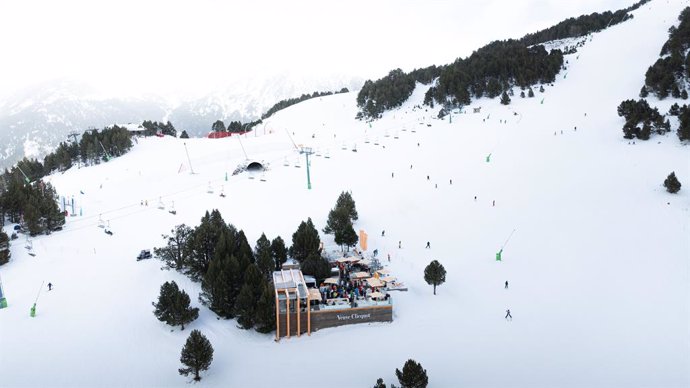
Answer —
300 309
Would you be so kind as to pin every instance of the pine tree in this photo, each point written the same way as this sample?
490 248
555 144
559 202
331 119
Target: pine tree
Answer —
184 135
643 92
218 126
265 317
505 100
541 88
173 254
4 246
245 306
346 202
684 94
316 266
278 252
434 274
340 225
264 260
522 94
671 183
380 383
173 306
412 375
305 241
530 93
197 355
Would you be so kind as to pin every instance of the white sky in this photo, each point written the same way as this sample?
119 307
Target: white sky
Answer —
126 46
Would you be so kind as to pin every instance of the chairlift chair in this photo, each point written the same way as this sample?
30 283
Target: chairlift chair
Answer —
210 189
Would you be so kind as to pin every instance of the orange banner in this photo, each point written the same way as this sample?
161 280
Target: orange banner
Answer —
363 239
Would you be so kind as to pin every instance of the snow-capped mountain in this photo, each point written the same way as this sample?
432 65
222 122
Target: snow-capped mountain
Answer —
35 120
249 98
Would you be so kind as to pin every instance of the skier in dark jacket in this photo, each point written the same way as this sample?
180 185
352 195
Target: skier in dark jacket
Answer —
508 315
50 286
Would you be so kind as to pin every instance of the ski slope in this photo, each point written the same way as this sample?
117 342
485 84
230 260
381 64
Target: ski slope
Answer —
598 264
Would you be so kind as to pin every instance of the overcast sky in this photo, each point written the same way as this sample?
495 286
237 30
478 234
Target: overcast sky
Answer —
161 46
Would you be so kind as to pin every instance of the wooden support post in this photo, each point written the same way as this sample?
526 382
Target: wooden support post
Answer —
277 318
308 315
298 317
287 312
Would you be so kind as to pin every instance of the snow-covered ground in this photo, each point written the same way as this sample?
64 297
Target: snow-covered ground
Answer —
598 265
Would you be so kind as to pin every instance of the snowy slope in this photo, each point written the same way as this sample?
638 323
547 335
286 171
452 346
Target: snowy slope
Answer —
598 265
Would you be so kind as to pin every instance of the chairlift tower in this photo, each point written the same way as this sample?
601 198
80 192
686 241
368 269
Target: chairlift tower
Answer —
307 151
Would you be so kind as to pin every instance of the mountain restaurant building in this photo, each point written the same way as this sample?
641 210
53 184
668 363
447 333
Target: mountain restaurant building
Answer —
300 309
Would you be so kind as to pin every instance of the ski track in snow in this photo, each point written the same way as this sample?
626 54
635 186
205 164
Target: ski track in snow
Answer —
598 266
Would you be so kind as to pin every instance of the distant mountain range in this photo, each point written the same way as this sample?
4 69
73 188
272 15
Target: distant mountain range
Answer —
35 120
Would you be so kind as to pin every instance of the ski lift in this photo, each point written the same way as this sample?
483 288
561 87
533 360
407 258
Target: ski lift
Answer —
263 177
297 164
344 146
172 209
376 142
396 136
285 162
354 148
327 155
210 189
222 191
160 203
101 223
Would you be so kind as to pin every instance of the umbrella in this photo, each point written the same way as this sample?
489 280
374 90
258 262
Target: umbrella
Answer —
331 281
383 271
360 275
388 279
376 295
373 282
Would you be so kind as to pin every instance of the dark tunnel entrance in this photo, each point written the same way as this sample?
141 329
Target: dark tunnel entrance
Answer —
254 167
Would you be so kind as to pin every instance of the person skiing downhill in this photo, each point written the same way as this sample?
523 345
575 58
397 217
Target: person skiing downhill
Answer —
383 233
506 284
428 245
399 244
508 315
50 286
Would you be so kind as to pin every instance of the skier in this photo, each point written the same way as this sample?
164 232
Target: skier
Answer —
389 257
399 244
383 233
428 245
427 177
451 181
508 315
436 185
506 284
494 204
392 175
376 252
410 167
475 198
50 286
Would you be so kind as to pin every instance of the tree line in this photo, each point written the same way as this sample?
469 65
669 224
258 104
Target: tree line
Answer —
282 104
670 73
490 71
94 147
582 25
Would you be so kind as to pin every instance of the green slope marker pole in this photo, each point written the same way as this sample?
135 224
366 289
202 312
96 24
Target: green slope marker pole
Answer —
498 254
488 158
33 308
542 101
